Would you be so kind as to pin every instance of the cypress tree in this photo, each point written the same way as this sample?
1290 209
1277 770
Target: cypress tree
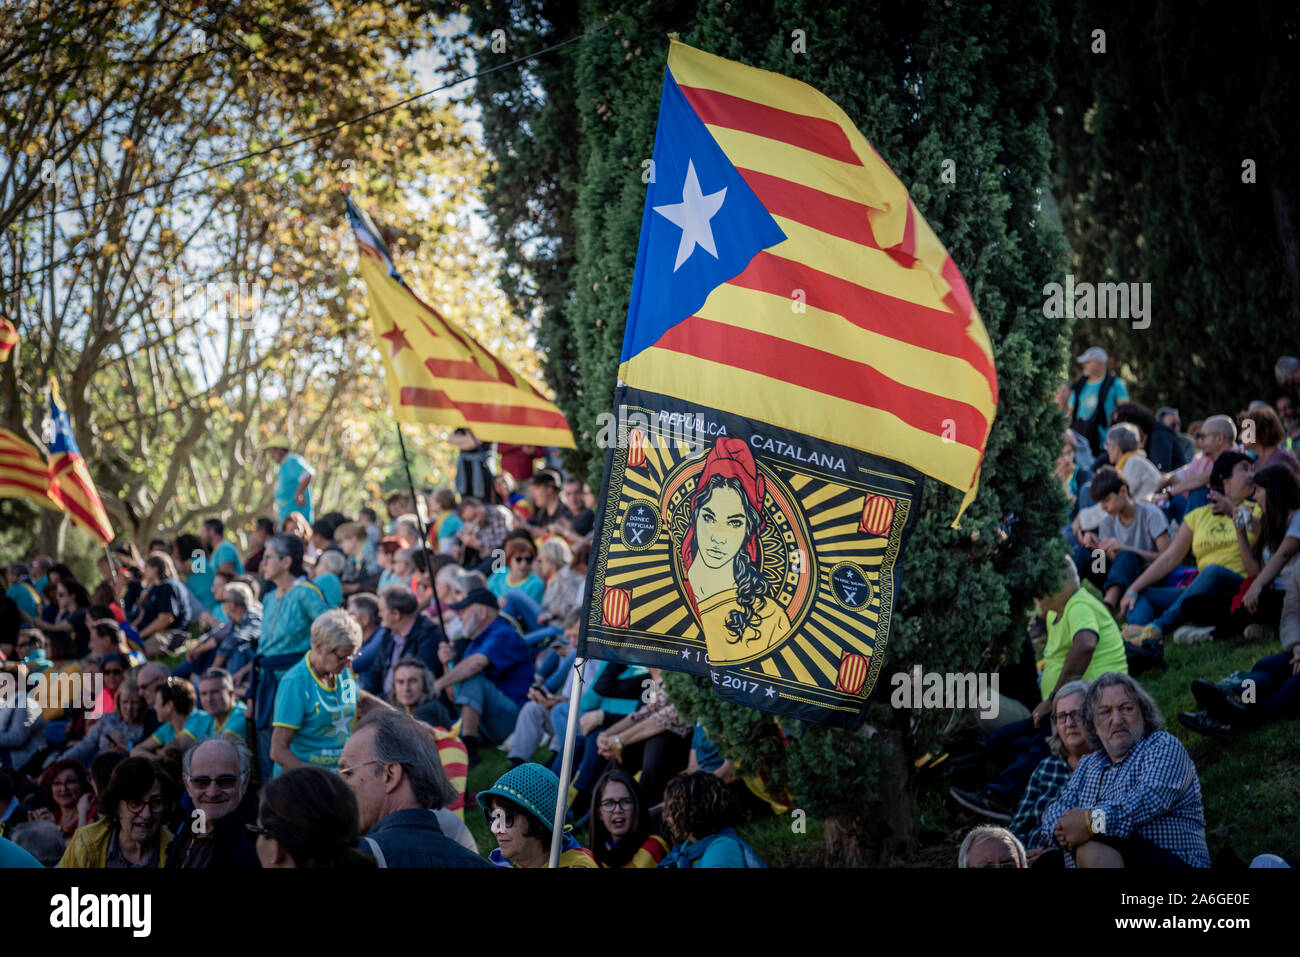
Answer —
925 82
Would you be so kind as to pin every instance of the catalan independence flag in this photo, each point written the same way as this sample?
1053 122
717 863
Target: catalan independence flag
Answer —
8 338
784 274
70 482
800 352
24 472
437 372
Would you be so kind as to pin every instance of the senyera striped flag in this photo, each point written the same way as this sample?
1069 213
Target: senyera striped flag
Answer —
857 326
24 472
70 482
436 371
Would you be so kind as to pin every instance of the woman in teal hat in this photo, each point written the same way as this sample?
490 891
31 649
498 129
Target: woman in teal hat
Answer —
517 808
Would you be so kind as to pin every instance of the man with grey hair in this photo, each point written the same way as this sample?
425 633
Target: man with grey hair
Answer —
987 846
392 766
216 774
364 607
42 840
1218 434
409 634
1083 643
1136 800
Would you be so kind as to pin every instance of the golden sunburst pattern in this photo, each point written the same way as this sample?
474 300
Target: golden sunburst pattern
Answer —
833 582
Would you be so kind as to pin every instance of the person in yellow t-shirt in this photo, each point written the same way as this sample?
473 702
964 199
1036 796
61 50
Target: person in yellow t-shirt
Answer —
1221 538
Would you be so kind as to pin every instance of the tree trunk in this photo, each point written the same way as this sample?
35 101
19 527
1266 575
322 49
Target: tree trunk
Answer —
888 833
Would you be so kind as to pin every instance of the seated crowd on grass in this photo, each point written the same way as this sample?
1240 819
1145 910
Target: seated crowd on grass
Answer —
1174 538
322 699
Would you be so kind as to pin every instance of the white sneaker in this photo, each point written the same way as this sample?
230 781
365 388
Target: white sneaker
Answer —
1191 634
1258 632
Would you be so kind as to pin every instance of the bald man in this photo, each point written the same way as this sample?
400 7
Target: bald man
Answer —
216 776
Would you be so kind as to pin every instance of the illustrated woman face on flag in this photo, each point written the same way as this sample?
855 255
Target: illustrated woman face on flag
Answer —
720 555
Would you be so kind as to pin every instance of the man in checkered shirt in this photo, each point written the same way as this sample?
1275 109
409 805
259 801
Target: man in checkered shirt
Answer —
1136 800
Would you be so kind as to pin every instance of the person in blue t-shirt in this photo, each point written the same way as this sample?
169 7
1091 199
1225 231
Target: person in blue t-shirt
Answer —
220 556
1096 386
292 481
316 702
490 682
23 591
699 815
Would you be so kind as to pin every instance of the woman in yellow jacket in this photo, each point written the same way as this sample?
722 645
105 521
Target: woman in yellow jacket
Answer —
138 798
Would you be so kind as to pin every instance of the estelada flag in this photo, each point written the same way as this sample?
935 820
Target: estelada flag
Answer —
70 482
8 338
436 371
800 351
24 472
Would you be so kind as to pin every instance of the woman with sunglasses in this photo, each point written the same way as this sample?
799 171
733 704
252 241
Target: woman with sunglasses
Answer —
520 807
520 554
621 833
309 819
139 797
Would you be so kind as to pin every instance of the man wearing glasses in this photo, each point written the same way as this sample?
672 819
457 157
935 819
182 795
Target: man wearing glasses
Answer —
1083 643
391 764
216 774
316 702
1216 435
1136 801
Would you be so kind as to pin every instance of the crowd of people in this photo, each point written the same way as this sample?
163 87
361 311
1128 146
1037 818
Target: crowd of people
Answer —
320 698
1175 538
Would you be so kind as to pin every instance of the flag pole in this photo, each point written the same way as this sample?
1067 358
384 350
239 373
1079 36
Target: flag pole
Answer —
566 763
419 522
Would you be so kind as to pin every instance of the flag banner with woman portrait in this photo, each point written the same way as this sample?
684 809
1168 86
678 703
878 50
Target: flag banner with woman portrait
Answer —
765 559
786 287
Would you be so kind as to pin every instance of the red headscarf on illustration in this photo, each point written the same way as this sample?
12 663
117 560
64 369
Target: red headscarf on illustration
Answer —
729 458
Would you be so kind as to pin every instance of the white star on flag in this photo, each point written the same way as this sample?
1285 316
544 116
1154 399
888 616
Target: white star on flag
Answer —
692 215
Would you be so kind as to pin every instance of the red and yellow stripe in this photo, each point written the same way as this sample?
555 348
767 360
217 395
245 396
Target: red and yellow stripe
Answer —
72 487
24 472
440 374
8 338
858 328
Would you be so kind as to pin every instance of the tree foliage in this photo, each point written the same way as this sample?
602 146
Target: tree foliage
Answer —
192 306
1152 136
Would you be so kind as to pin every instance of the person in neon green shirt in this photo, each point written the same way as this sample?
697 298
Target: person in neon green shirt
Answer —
1221 537
1083 641
316 702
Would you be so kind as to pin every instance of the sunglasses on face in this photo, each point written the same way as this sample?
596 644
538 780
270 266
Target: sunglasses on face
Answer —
505 815
526 559
224 781
113 671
